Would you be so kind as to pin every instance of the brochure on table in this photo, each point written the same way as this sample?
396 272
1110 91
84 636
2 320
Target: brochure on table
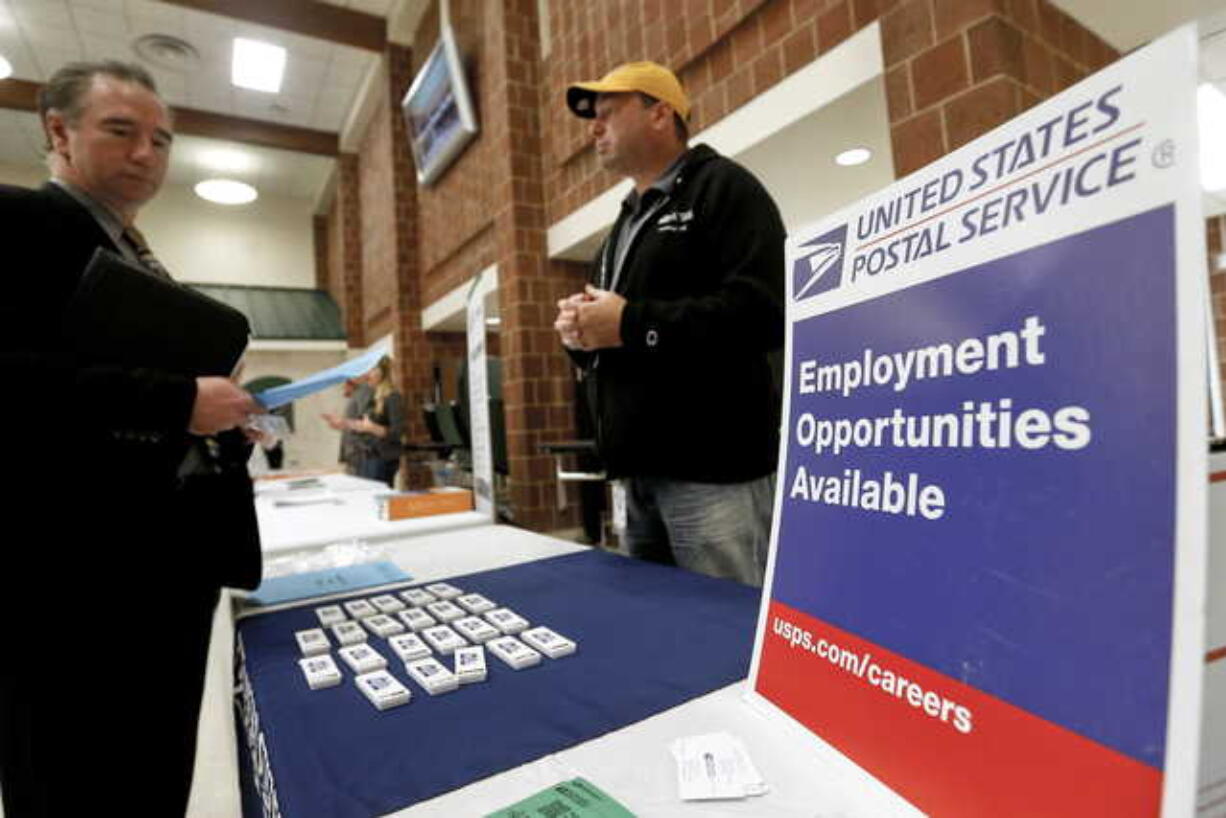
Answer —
986 580
479 394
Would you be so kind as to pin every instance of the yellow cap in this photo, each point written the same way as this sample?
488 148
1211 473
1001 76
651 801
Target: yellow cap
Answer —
646 77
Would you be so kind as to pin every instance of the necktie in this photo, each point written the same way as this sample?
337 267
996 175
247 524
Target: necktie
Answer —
149 261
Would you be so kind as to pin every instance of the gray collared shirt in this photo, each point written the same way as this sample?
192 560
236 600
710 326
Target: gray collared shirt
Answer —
104 216
641 207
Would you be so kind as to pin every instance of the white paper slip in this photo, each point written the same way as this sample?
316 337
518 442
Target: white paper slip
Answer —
408 646
513 652
416 619
445 611
548 642
313 642
507 621
443 639
444 590
475 603
386 603
349 633
383 689
475 629
470 664
383 625
417 597
330 615
360 608
432 675
320 672
713 766
362 658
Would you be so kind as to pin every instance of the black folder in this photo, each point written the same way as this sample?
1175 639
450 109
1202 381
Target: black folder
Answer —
123 314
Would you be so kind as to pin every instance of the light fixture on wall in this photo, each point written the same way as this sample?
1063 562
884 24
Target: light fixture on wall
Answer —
256 65
854 156
6 68
226 191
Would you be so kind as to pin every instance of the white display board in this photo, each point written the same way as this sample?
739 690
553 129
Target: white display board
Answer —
479 395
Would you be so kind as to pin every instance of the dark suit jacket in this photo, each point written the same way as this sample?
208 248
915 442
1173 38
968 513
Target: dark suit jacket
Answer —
112 437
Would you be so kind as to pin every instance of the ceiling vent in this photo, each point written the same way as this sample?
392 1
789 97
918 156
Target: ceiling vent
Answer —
165 51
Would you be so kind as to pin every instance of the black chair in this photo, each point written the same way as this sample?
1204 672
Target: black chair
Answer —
437 443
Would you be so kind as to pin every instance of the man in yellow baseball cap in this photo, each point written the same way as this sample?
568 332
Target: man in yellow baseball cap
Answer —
673 332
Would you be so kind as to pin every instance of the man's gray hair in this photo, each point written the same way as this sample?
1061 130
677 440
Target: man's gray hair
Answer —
65 91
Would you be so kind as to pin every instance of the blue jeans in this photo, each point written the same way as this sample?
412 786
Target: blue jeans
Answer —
717 529
375 468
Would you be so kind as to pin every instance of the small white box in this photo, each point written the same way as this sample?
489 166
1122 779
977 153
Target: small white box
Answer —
443 639
432 675
475 603
417 597
408 646
313 642
320 672
386 603
349 633
470 664
513 652
548 642
362 658
444 590
330 615
475 629
383 625
507 621
383 689
360 608
416 619
445 611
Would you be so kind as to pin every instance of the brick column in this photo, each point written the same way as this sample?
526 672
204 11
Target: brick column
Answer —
319 235
955 69
1215 243
348 208
537 385
411 348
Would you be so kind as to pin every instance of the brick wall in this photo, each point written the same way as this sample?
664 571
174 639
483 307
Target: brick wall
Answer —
1215 244
535 370
955 69
345 249
456 212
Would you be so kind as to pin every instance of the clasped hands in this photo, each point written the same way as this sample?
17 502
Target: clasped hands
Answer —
590 320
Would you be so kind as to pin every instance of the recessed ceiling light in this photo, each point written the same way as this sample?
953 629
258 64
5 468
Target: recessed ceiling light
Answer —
224 160
855 156
6 68
258 66
226 191
1211 114
493 321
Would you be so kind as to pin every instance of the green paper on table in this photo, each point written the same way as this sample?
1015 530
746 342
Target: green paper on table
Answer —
577 798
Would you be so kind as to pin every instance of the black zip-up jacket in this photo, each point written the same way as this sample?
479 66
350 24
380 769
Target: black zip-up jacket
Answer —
689 395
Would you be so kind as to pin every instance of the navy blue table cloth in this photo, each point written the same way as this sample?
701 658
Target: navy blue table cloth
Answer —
650 638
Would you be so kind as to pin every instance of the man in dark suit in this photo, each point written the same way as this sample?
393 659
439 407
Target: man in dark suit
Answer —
128 486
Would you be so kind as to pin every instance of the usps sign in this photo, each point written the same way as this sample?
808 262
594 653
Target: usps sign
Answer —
986 578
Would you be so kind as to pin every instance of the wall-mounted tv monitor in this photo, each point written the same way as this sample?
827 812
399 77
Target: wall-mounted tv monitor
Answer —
438 110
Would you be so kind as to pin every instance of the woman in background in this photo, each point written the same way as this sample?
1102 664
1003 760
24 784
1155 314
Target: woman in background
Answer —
379 432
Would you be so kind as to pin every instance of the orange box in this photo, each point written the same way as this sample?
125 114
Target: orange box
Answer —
427 503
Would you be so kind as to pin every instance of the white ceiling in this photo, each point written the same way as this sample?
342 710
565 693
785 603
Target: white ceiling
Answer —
322 79
272 172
